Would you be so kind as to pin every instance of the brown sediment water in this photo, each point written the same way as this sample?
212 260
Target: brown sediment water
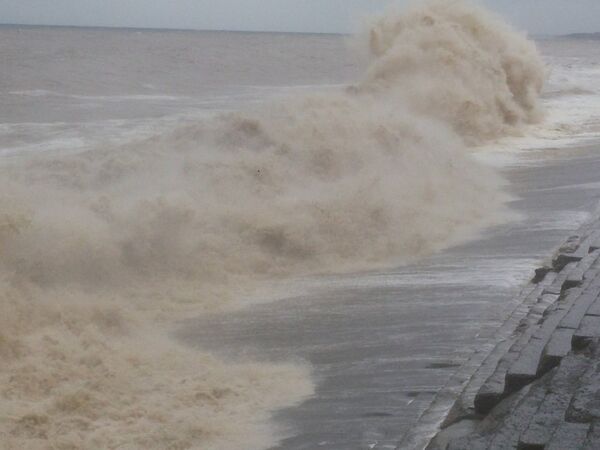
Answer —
103 250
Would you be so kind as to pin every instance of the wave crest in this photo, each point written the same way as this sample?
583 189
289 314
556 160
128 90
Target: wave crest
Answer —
451 60
99 248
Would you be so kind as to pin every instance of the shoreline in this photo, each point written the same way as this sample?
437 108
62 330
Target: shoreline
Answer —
384 345
531 389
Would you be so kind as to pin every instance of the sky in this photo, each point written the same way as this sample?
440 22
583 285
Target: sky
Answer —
329 16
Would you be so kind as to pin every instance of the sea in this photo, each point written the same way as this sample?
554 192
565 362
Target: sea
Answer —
231 240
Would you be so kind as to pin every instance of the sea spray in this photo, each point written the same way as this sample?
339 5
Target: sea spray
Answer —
101 251
449 60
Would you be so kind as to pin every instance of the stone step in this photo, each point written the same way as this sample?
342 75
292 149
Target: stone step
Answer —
487 368
593 437
541 394
585 404
525 368
492 390
531 356
565 253
589 235
557 286
537 311
575 278
594 309
518 418
590 260
573 250
478 368
468 443
579 309
551 412
593 236
528 365
588 330
505 340
595 245
557 348
569 435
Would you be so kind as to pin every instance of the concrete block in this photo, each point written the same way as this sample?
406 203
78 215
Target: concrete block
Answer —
593 438
582 271
585 404
557 285
492 391
529 365
579 308
551 412
595 244
506 434
589 329
566 253
524 370
468 443
557 348
541 428
594 309
569 435
574 279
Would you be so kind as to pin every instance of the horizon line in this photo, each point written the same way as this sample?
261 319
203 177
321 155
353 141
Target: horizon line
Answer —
217 30
222 30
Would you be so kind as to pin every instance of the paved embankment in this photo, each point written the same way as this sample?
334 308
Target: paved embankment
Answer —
540 388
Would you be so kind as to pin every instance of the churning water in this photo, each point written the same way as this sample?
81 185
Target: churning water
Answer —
152 176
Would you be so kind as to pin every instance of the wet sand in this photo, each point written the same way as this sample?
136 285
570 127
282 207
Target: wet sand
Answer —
383 344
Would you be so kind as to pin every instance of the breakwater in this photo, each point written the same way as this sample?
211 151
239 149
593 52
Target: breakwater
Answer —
539 388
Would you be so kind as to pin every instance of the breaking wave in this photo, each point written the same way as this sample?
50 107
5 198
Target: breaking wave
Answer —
101 251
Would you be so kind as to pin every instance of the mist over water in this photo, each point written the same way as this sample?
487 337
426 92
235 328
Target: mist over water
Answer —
102 250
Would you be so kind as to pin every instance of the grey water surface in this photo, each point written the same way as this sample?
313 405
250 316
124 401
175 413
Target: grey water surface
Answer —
382 344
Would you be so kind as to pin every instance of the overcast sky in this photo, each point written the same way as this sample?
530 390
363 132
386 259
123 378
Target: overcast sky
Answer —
535 16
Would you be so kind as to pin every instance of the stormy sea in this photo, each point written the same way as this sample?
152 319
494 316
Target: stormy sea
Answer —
227 240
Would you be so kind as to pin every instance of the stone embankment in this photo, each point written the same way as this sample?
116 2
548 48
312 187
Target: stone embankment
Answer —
539 388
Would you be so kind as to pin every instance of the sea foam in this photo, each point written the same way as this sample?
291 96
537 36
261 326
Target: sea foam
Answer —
102 250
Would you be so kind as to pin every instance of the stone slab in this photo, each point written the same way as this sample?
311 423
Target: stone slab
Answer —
595 245
487 368
542 394
567 253
493 389
579 309
525 369
593 438
585 404
551 413
557 285
528 366
575 278
589 329
588 260
557 348
468 443
594 309
506 435
542 305
569 436
542 425
589 241
584 247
